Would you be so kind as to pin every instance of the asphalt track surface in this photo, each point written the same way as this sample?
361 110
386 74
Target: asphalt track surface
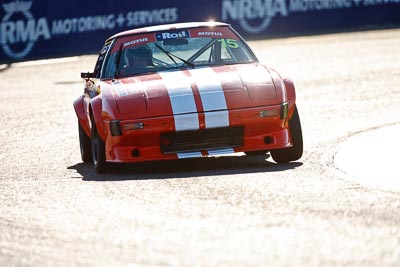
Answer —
225 211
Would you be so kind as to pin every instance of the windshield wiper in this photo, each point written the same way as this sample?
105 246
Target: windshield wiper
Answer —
170 55
117 61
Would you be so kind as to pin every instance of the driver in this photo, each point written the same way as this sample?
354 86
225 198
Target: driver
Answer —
139 60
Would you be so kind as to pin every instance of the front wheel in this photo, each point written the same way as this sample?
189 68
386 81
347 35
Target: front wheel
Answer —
85 145
295 152
98 151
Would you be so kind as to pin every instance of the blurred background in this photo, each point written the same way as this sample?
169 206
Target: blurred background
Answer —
338 206
44 29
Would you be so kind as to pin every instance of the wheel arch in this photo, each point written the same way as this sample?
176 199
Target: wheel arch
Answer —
287 87
95 112
80 110
291 95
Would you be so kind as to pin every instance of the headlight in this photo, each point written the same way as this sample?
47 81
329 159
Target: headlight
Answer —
133 126
269 113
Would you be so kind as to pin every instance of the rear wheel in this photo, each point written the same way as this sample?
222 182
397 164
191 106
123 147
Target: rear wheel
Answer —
98 151
295 152
85 145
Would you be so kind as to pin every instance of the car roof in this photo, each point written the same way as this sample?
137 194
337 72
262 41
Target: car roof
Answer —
166 27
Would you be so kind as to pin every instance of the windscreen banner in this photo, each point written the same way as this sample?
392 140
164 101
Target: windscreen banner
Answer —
35 29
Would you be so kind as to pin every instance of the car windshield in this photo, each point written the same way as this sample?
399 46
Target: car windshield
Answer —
177 49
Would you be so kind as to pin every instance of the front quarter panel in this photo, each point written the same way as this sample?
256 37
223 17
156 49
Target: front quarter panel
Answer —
81 113
103 108
287 87
96 114
291 94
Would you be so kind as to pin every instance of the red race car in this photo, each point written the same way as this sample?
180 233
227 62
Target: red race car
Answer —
181 91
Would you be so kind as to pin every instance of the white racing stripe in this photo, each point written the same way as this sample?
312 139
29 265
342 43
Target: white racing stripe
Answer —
133 88
182 100
120 88
212 97
184 107
214 102
188 155
220 151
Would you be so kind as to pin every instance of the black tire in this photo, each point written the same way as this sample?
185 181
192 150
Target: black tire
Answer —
295 152
85 145
98 151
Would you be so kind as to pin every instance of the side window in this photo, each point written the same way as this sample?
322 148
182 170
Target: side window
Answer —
98 65
225 55
239 52
100 60
109 68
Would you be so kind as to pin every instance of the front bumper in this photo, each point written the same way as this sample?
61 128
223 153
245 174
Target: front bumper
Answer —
249 130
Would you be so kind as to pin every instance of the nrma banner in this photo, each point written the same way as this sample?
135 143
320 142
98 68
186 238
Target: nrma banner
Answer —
33 29
295 17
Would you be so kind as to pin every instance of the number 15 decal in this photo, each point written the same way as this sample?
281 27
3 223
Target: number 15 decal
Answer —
229 43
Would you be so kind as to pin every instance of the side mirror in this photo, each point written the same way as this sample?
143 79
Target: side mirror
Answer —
87 75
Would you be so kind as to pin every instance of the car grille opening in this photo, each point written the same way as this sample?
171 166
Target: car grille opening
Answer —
217 138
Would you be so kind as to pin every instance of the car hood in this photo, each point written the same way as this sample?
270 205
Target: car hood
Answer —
195 90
